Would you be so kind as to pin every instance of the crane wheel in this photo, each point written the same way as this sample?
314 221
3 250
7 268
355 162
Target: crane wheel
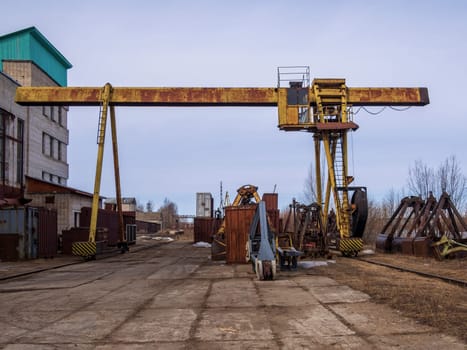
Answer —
359 203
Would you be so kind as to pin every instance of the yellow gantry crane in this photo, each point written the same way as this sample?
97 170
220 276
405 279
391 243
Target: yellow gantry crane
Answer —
321 107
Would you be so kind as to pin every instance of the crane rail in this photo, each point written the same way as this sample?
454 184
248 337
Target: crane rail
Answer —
451 280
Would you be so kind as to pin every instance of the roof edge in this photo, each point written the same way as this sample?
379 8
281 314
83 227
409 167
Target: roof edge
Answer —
43 40
66 188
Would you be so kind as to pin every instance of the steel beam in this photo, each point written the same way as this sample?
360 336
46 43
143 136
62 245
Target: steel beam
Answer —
387 96
214 97
148 96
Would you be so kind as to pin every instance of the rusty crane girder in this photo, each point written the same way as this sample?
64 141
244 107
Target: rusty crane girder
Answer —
211 97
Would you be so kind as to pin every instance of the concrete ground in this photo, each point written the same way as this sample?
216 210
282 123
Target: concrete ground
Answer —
172 296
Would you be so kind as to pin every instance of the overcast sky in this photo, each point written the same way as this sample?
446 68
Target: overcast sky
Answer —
176 152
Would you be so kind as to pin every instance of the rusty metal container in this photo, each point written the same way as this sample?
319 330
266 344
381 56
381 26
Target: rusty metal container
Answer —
271 200
129 217
237 227
80 234
9 247
274 220
107 219
422 246
47 236
22 221
204 228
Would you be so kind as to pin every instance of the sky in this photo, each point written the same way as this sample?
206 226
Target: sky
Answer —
174 153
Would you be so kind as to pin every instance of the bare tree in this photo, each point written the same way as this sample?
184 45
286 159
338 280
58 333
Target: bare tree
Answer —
421 179
390 202
448 178
309 187
451 180
149 206
169 214
139 207
375 221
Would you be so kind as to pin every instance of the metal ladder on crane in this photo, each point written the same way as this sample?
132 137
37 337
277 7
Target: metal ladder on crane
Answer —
332 123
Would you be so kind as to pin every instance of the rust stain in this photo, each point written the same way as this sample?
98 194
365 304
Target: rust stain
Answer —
207 96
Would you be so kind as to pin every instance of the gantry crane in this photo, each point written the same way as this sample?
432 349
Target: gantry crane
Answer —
322 108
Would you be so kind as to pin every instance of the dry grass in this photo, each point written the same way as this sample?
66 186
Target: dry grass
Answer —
431 302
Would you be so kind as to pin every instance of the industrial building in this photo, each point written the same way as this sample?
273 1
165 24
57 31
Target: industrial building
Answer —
33 139
33 142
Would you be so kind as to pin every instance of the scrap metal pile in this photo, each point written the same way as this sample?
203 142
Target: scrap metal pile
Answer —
425 228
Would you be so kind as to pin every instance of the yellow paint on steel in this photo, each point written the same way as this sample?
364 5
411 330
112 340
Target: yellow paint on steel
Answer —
106 93
118 192
150 96
350 245
84 249
319 192
204 96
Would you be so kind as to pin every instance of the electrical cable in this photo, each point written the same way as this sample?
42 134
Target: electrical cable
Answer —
382 109
400 109
373 113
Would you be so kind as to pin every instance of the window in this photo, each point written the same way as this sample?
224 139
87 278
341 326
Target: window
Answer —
51 147
60 116
46 111
45 139
59 150
7 145
19 152
52 114
76 215
50 200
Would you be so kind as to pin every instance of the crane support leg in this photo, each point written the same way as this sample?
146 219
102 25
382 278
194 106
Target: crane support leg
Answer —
122 244
89 249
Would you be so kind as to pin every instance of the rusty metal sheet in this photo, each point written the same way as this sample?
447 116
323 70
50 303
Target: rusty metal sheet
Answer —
47 235
336 126
204 228
199 96
237 228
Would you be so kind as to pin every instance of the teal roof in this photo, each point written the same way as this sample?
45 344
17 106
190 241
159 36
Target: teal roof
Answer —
30 45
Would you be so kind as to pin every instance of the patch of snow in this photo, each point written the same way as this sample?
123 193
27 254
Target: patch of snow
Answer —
202 244
167 239
311 264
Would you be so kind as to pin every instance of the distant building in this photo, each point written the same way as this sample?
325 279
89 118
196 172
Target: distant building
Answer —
66 200
148 222
204 204
128 204
33 140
